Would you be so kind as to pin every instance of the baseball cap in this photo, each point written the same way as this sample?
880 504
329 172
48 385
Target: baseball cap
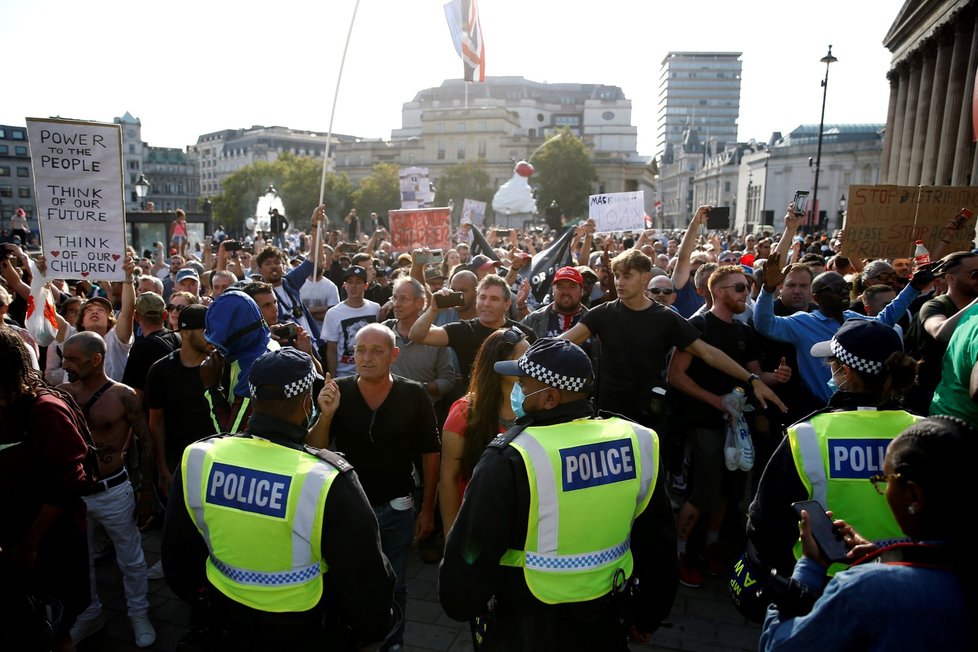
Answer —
569 274
555 362
595 259
150 304
729 257
383 270
192 317
587 273
355 270
482 262
877 267
433 273
280 374
862 344
102 301
187 272
404 259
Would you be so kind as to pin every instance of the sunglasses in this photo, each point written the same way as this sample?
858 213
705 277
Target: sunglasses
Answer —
665 291
880 481
737 287
838 289
170 307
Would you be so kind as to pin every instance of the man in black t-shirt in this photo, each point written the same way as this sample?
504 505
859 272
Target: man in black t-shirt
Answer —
157 341
712 485
493 299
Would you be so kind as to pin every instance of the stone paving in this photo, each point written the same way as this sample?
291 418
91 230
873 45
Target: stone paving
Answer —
702 620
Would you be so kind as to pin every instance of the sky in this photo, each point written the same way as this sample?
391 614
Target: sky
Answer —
186 68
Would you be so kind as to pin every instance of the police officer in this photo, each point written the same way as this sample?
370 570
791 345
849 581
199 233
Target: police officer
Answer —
564 575
829 455
279 537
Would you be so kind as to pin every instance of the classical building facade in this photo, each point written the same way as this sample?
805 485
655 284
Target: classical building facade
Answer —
698 90
16 176
929 124
174 178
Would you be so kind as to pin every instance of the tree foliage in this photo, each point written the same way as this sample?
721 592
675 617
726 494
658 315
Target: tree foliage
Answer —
468 180
563 171
297 180
378 193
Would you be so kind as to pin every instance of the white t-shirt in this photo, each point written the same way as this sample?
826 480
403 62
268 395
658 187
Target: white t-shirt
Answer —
319 294
342 325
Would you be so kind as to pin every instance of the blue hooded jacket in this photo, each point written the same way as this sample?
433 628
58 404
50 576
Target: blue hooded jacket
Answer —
235 327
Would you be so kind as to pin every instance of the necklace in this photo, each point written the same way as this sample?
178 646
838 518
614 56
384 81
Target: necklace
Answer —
507 423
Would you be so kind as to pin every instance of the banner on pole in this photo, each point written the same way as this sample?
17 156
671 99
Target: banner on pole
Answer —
615 212
414 229
415 188
885 221
79 190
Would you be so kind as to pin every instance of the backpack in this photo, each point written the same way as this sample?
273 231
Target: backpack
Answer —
90 463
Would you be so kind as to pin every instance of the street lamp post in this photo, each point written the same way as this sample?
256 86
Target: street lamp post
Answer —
142 189
842 209
828 60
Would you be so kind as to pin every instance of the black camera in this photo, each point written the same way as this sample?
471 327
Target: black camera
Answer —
287 331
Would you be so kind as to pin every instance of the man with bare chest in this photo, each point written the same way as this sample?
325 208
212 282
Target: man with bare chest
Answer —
113 413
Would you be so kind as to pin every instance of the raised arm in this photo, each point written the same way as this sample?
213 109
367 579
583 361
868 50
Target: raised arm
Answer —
680 275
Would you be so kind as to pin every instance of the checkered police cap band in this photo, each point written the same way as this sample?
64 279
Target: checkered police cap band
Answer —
295 388
548 377
862 365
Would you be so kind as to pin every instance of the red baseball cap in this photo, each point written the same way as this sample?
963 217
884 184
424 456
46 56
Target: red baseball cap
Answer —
569 274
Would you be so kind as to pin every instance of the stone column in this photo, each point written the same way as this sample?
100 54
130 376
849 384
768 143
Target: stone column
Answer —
944 42
923 113
909 121
896 149
952 105
965 149
894 78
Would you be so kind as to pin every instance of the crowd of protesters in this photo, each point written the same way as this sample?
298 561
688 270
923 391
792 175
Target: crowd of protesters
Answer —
673 322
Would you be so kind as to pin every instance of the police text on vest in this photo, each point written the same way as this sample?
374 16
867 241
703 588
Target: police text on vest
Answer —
597 464
856 459
249 490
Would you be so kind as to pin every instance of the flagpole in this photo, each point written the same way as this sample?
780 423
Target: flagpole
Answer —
329 133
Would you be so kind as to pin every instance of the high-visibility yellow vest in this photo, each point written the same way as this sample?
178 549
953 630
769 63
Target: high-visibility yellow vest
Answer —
835 453
589 480
259 507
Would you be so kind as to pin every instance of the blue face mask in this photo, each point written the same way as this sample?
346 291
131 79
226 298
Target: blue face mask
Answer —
516 399
833 384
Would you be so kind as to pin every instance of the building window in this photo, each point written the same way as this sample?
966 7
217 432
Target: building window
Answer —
726 186
17 134
4 170
482 149
3 133
461 151
483 125
20 150
441 151
24 192
23 171
4 149
440 127
6 191
461 126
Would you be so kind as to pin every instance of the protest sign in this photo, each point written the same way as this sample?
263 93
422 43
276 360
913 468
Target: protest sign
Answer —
415 188
615 212
425 227
79 193
885 221
474 213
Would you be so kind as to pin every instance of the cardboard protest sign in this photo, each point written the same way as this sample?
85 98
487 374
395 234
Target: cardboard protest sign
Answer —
415 188
79 191
615 212
885 221
425 227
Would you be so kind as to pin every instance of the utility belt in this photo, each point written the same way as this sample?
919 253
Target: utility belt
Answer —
113 480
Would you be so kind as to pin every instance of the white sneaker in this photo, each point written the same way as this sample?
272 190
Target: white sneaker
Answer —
82 629
142 630
155 572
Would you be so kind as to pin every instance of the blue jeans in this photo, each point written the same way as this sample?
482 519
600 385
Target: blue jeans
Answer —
396 536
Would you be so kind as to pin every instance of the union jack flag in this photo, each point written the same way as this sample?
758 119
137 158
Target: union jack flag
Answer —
463 22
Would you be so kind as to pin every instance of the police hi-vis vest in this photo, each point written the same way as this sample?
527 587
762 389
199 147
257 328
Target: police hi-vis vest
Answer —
835 453
259 507
589 480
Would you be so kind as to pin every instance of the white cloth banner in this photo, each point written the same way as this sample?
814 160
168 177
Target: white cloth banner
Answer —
615 212
79 191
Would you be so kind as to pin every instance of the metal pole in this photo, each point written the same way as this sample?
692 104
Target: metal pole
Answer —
828 59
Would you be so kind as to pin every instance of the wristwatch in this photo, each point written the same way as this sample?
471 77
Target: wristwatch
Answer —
752 378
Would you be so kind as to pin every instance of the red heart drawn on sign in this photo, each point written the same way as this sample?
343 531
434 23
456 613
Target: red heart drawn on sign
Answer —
85 274
115 256
55 253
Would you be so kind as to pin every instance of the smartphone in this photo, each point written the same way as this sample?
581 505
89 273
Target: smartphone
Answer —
231 245
285 331
718 218
436 257
800 201
503 233
453 300
963 216
823 530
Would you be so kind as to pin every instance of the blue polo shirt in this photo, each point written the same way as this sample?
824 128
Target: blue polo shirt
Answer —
803 329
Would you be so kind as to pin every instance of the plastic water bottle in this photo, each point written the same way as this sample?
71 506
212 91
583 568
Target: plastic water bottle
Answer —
920 255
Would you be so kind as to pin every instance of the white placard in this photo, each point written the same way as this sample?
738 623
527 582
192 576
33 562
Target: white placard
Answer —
615 212
415 188
79 191
474 213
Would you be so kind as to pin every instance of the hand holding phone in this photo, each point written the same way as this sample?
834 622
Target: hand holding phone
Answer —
451 300
718 218
800 201
826 535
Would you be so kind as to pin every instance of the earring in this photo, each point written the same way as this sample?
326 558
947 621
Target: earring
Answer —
911 510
